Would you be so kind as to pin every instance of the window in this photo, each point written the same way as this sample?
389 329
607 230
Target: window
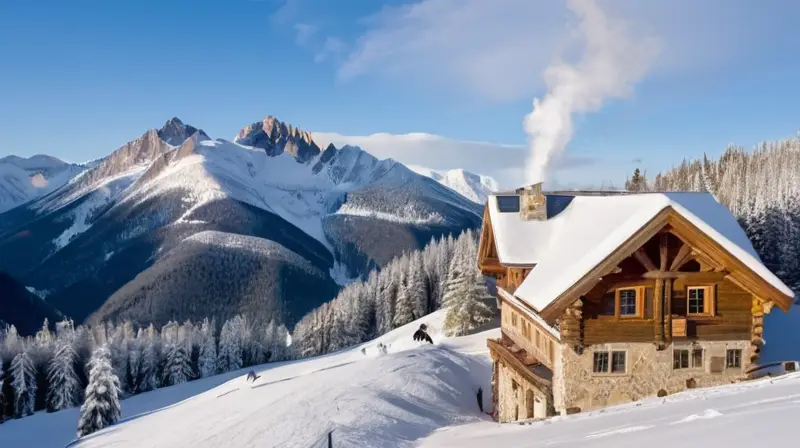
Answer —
618 362
513 319
697 358
700 300
508 204
627 302
684 358
733 358
609 362
600 362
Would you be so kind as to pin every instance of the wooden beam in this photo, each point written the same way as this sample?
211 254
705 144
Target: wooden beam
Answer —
681 258
662 274
642 258
663 251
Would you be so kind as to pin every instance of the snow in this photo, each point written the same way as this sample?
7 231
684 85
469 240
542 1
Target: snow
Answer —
567 246
367 398
475 187
23 180
40 293
406 215
756 413
412 395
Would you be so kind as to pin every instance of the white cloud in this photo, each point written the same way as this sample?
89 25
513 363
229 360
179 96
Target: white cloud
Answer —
503 162
498 49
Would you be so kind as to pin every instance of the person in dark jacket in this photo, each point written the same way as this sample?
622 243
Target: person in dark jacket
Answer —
422 334
252 376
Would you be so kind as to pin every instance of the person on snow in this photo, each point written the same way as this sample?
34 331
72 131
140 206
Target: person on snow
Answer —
422 335
252 376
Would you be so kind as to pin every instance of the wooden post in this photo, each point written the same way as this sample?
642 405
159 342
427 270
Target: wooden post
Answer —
668 310
658 311
757 330
330 439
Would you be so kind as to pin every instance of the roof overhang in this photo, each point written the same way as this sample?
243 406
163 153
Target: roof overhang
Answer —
740 273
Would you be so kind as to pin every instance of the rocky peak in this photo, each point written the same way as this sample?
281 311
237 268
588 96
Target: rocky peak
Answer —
175 132
276 137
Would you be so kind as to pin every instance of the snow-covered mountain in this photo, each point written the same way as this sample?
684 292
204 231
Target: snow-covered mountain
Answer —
25 179
475 187
125 228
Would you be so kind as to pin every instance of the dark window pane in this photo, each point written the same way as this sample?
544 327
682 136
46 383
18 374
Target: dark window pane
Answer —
618 362
680 359
696 301
697 358
601 362
508 204
627 302
734 358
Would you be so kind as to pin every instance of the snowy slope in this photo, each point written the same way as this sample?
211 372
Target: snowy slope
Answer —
367 398
22 180
475 187
414 395
757 413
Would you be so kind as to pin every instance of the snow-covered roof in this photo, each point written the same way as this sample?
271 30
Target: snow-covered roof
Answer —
567 246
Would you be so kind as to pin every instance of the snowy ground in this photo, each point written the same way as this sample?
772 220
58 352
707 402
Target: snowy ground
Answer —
757 413
413 395
366 397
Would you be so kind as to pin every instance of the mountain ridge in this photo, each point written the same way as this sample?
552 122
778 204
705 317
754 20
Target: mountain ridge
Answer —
123 227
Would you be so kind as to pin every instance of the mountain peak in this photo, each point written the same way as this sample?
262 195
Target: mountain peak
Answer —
175 132
276 137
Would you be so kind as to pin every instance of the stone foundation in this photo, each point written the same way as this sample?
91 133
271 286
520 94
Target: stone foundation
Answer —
518 398
647 371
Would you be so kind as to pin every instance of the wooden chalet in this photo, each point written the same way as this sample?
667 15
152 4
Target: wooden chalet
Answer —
607 298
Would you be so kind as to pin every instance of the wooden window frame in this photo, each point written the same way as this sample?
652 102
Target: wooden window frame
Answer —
709 300
610 364
640 291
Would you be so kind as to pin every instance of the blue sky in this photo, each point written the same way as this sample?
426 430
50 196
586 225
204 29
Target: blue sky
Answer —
80 78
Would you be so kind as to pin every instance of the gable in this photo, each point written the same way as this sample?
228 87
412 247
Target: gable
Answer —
696 246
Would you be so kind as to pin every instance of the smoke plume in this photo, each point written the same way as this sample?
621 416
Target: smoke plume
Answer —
611 61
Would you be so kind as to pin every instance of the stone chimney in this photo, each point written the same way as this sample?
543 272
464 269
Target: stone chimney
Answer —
532 203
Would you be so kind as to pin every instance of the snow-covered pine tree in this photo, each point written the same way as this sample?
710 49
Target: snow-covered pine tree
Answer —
151 360
229 356
101 407
207 362
64 385
119 337
468 311
135 360
23 381
404 308
417 289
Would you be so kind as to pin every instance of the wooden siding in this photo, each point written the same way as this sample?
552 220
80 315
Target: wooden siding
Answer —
728 308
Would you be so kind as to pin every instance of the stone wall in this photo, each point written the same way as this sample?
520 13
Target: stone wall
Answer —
647 371
512 402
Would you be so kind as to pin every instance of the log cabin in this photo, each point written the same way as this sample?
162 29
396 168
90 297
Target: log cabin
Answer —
607 298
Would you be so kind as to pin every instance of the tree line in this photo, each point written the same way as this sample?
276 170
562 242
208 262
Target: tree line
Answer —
445 273
96 365
761 188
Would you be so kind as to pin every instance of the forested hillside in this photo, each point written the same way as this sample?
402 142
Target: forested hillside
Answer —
762 189
49 370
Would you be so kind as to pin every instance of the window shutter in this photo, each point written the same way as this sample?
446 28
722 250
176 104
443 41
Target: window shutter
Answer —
712 300
648 303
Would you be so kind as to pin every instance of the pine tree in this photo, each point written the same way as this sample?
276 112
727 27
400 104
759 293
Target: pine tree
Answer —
177 366
102 407
23 381
64 385
208 350
416 286
404 308
465 295
229 356
151 361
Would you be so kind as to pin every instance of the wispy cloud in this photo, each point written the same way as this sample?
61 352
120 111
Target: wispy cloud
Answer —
497 50
501 161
